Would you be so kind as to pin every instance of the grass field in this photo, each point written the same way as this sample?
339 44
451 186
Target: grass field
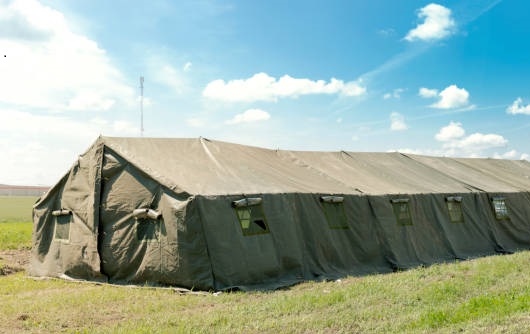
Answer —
484 295
16 208
15 235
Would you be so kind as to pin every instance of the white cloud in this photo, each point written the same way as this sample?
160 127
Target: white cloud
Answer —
339 120
428 93
249 116
187 67
396 93
450 132
518 108
477 142
525 156
507 155
437 24
262 87
38 149
90 101
50 66
397 122
408 151
456 143
452 97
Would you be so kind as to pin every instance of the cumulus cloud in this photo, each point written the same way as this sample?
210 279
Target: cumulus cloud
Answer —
187 67
250 116
262 87
449 98
525 156
50 66
517 107
397 122
478 141
428 93
512 154
450 132
437 24
455 142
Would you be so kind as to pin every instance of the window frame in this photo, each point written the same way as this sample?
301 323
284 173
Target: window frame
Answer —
500 215
397 203
251 205
62 214
455 202
337 202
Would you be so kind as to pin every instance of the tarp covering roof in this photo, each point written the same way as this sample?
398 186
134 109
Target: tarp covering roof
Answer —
208 167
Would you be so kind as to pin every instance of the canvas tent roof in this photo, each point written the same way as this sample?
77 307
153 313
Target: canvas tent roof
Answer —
208 167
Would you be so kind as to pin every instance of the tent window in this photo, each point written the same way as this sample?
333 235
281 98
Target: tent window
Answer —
402 211
454 207
147 229
499 207
62 227
62 218
333 208
251 217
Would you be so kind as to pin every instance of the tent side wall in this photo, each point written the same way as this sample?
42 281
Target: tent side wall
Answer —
65 223
301 245
138 249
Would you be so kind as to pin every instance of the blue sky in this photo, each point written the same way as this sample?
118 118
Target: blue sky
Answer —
446 78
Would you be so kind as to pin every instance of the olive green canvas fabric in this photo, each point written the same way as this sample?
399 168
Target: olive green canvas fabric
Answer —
161 211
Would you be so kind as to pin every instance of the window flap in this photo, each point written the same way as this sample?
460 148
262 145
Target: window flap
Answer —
246 202
147 213
498 198
62 212
399 200
454 199
332 199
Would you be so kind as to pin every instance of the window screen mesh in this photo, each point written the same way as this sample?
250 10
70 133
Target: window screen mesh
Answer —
335 215
455 212
402 213
252 220
499 206
62 227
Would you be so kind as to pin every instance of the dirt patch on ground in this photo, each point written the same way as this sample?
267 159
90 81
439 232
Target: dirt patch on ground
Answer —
13 261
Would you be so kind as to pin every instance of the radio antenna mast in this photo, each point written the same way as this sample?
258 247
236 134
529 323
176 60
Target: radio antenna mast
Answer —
142 106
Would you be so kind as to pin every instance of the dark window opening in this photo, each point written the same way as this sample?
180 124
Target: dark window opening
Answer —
252 219
454 207
402 211
333 208
499 207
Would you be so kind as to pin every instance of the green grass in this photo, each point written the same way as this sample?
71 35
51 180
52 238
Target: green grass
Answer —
484 295
15 235
16 208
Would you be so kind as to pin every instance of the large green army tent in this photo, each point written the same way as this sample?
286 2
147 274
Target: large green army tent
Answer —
211 215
